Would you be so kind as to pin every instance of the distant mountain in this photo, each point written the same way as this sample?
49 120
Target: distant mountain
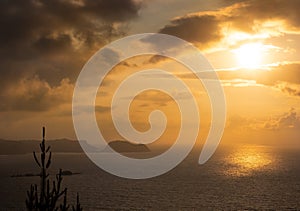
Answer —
8 147
126 146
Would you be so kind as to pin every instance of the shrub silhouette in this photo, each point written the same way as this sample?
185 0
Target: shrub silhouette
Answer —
47 198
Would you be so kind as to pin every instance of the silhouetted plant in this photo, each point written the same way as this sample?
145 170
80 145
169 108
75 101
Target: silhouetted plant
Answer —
78 206
46 198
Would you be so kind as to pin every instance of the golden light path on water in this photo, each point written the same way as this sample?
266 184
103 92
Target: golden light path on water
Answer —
248 160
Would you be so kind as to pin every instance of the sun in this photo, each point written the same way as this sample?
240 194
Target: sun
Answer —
249 55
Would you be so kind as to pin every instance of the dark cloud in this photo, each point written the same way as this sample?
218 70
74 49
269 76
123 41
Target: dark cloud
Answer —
52 40
33 28
34 19
156 59
203 29
62 41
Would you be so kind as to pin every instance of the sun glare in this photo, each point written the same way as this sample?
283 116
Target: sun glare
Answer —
249 55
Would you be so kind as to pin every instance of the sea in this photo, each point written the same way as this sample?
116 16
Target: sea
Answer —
247 177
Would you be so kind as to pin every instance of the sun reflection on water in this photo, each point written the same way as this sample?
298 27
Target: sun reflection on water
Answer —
247 160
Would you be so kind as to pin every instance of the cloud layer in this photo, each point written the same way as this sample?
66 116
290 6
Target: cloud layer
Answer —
285 77
249 16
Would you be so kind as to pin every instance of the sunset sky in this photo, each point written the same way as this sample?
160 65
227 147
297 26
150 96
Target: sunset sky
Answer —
254 45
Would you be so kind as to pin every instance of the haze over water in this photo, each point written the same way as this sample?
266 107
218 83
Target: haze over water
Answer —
245 177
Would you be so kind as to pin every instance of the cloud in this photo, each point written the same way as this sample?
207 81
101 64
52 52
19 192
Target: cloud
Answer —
285 77
289 120
63 33
44 42
44 23
206 29
156 59
200 29
268 10
33 94
285 121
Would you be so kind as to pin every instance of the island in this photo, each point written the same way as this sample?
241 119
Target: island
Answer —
123 146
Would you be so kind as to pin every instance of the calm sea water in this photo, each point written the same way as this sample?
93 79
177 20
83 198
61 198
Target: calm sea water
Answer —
248 177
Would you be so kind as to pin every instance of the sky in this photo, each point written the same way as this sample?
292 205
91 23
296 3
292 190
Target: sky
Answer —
253 45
